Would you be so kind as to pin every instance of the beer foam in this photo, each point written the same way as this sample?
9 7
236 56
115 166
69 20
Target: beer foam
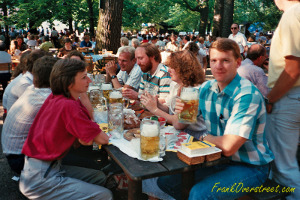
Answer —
115 95
150 130
189 96
93 87
106 87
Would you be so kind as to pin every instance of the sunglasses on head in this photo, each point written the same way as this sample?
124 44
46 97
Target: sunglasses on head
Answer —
234 28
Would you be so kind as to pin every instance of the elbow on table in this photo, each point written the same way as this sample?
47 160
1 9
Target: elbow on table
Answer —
228 152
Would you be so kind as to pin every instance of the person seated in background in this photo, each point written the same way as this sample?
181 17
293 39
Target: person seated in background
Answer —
31 43
43 175
17 74
25 81
199 53
66 49
135 42
130 74
22 46
5 58
13 49
154 73
251 68
124 42
160 43
93 42
86 43
201 44
46 44
185 42
22 113
76 42
234 113
185 71
154 40
172 45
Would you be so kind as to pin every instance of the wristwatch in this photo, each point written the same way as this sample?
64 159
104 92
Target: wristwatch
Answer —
203 136
113 76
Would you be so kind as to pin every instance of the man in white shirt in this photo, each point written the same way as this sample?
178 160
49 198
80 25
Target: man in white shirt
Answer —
239 38
130 74
186 40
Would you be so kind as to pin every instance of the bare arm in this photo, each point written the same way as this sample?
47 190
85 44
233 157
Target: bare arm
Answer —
84 99
287 79
228 143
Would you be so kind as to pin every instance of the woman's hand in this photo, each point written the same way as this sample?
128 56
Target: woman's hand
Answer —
149 101
178 106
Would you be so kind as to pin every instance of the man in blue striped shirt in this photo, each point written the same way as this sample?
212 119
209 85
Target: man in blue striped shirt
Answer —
235 116
154 73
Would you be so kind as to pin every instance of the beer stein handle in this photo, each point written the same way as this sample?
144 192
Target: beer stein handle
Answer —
172 104
103 99
126 102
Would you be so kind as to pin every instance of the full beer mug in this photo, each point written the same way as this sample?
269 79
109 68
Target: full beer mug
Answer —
115 96
149 138
190 97
106 88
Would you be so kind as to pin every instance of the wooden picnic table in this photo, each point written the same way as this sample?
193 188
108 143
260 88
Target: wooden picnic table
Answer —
137 170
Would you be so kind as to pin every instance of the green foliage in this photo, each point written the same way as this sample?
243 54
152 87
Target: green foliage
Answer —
257 11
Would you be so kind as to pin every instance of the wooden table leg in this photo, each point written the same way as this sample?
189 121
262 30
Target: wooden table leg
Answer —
134 189
188 179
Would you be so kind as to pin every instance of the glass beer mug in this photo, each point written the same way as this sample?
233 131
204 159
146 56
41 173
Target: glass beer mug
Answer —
189 96
115 120
99 103
115 96
106 88
149 138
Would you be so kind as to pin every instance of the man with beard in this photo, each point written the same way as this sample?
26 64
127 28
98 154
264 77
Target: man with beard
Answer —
154 73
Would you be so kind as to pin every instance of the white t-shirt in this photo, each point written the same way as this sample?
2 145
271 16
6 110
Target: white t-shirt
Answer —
240 39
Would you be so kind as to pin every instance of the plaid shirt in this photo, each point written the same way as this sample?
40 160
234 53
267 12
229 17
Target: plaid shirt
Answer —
132 79
237 110
20 117
160 78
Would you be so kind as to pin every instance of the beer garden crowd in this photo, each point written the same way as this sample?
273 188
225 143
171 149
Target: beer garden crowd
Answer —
252 117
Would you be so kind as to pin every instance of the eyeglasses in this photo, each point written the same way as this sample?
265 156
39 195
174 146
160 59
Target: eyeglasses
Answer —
234 28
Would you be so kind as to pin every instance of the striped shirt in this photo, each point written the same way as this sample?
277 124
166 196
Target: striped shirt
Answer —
237 110
161 79
20 117
132 79
18 89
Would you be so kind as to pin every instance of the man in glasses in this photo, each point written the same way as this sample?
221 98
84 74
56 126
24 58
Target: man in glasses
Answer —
239 38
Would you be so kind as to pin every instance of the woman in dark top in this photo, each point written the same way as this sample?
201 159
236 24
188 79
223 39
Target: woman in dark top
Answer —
66 49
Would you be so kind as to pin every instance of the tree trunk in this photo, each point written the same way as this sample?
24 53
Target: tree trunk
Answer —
227 17
218 18
109 25
91 17
70 22
203 20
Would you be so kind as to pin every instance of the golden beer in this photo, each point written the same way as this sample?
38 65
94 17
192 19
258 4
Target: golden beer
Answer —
149 139
189 112
190 98
149 147
106 89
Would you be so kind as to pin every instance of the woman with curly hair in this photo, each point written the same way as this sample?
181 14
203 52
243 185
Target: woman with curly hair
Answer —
185 71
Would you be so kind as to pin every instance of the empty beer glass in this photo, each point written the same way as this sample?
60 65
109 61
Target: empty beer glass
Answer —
190 97
97 100
149 138
115 120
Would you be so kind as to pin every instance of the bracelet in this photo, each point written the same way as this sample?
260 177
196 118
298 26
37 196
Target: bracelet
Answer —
155 110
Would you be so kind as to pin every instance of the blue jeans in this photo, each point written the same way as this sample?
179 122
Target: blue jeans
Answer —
283 129
218 182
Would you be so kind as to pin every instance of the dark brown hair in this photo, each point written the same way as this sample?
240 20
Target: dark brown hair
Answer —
225 45
41 71
75 53
21 67
187 66
63 75
32 57
151 50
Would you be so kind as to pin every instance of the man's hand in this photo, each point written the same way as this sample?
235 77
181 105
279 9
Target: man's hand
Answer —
130 94
111 68
150 102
